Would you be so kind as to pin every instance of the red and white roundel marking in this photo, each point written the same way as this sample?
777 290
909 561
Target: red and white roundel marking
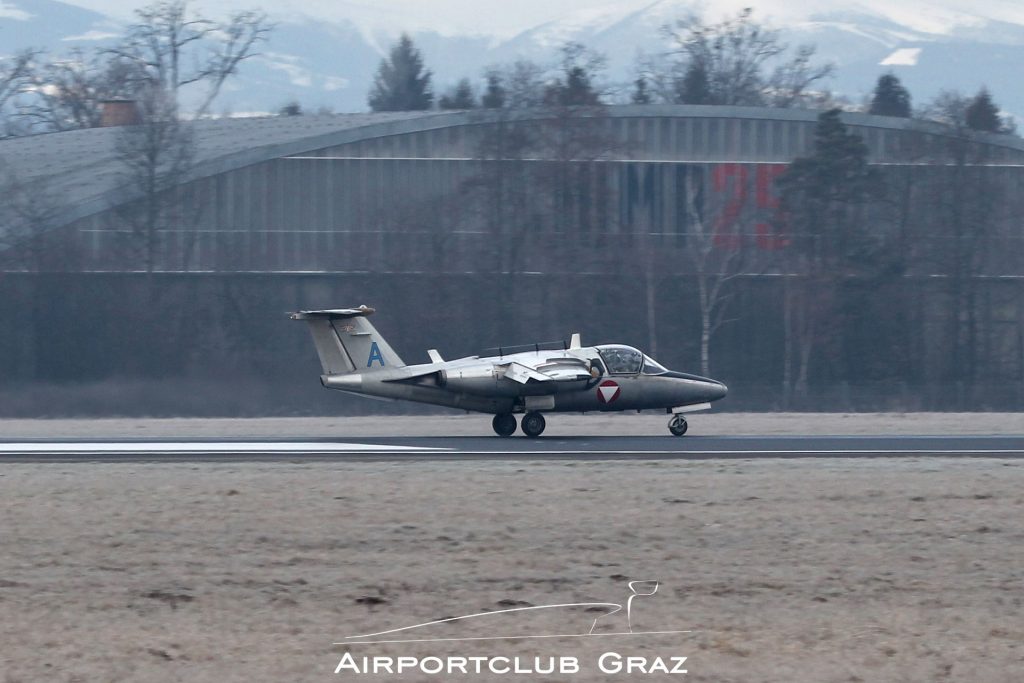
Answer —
608 391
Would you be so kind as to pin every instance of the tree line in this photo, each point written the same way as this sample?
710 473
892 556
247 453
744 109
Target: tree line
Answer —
737 61
172 50
847 228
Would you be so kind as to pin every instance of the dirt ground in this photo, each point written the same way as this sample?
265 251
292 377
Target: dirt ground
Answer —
796 571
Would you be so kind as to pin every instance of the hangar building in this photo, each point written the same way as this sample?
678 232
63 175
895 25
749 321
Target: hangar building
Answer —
593 211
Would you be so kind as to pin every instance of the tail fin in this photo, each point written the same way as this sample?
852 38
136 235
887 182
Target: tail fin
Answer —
346 341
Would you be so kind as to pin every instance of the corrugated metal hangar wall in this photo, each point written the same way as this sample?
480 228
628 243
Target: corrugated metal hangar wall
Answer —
465 236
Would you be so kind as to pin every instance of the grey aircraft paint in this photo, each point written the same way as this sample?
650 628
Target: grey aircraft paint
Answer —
355 358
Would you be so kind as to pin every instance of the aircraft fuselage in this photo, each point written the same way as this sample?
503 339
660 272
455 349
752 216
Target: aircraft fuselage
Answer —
482 384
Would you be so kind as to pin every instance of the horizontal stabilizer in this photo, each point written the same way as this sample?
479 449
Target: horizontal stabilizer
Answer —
332 314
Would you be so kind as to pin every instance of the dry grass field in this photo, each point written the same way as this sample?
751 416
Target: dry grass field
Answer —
809 570
785 571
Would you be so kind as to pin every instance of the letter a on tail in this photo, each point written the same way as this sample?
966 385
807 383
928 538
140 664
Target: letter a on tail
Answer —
375 355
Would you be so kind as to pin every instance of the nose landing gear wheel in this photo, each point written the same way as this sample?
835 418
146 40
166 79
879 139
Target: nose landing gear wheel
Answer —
504 424
533 424
677 425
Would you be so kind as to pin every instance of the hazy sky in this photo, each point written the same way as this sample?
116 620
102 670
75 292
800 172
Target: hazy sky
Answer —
507 17
487 16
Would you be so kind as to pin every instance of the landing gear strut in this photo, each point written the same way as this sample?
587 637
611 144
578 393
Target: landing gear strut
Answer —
677 425
504 424
533 424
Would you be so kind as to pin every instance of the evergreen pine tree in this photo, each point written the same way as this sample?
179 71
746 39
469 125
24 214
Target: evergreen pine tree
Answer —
459 97
641 95
824 197
575 91
401 83
494 95
819 188
890 98
574 86
292 108
982 113
694 88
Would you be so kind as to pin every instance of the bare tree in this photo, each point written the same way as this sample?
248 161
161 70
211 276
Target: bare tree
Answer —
174 48
504 185
733 58
572 136
790 83
235 41
14 77
722 245
68 92
968 201
524 85
948 107
29 209
733 54
662 73
157 156
14 71
544 130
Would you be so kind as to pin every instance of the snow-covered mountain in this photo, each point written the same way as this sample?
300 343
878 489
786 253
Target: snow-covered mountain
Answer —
945 44
325 54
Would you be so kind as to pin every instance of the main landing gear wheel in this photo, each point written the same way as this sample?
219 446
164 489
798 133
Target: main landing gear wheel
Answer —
504 424
677 425
533 424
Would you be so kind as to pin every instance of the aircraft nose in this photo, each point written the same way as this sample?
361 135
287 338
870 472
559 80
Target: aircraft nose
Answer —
716 390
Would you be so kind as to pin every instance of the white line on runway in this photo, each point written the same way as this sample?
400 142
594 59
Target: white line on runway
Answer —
598 454
272 448
847 451
160 447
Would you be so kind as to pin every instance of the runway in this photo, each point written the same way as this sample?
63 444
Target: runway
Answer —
411 448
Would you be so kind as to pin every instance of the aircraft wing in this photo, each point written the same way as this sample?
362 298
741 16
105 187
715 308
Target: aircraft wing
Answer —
513 371
517 372
546 372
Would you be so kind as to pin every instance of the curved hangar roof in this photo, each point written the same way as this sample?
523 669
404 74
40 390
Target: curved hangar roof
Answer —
81 166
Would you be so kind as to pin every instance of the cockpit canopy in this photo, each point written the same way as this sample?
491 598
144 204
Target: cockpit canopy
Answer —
625 360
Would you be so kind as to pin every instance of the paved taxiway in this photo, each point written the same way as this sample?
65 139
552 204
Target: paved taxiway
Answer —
457 448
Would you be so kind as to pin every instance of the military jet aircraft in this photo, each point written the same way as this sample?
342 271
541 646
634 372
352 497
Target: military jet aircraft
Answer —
569 378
